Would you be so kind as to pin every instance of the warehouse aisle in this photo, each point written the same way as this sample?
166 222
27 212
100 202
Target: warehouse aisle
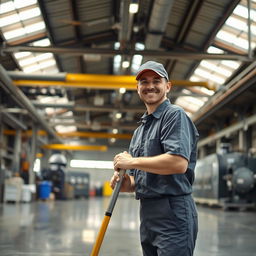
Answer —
68 228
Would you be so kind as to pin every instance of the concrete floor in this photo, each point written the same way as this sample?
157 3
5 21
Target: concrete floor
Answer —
69 228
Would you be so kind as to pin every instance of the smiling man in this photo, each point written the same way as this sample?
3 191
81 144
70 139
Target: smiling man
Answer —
161 161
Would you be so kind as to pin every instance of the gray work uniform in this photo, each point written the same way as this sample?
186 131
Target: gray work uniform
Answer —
167 211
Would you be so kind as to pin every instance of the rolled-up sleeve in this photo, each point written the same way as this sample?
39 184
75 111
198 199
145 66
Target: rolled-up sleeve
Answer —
178 135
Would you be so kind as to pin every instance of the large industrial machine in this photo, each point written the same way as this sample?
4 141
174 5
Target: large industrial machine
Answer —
56 174
227 180
80 181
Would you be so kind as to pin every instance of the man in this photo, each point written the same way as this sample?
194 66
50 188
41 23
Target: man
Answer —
161 161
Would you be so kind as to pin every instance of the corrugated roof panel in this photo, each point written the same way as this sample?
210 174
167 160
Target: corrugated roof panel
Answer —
100 67
59 17
182 67
209 15
95 10
69 64
176 17
95 17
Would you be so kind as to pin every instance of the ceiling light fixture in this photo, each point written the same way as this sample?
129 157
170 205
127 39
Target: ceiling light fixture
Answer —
122 90
133 8
126 64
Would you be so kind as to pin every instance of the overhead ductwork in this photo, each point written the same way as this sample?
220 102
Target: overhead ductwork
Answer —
157 23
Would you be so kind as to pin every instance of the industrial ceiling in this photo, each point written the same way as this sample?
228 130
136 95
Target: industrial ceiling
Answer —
68 66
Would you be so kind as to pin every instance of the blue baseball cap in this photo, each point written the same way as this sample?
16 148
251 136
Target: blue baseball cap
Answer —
154 66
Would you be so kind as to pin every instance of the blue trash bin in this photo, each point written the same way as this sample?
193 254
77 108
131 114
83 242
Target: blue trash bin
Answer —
44 189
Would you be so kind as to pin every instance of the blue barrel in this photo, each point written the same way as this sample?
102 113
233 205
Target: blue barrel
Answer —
44 189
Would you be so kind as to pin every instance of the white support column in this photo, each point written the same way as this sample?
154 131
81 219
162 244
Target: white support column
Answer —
17 152
33 155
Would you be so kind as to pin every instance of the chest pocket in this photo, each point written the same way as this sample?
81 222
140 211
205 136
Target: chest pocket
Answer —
153 147
134 150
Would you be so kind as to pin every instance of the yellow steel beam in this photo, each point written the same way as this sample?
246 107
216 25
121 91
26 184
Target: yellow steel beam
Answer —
39 155
98 81
97 135
25 133
75 147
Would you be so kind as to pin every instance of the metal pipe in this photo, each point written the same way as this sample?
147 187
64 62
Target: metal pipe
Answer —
24 102
13 121
16 75
227 131
249 29
128 52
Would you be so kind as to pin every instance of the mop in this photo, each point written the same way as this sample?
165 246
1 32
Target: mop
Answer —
108 213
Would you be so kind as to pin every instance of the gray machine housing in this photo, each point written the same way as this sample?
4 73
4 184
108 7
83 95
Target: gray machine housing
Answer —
227 179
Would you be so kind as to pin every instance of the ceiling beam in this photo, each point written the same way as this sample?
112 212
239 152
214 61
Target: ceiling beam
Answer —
84 108
102 85
97 135
92 81
128 52
19 97
75 147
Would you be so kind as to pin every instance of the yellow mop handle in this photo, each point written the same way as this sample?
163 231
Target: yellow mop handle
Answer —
103 228
107 216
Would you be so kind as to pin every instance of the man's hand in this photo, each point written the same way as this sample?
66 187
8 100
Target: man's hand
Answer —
123 161
127 184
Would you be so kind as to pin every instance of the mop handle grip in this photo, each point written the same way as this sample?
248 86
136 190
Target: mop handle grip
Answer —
115 193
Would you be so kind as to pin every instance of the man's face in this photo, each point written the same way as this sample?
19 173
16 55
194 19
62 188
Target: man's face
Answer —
152 88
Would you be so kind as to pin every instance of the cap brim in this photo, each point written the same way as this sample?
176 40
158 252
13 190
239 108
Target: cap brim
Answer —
145 70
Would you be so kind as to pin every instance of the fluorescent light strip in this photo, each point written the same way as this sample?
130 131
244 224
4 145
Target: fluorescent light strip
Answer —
91 164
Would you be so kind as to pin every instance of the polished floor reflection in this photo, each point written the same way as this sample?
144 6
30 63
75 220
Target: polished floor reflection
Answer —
69 228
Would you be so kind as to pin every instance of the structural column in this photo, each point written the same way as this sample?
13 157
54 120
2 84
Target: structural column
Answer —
32 157
17 151
2 170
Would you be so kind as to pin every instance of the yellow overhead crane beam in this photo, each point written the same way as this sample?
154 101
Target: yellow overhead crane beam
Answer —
75 147
98 135
99 81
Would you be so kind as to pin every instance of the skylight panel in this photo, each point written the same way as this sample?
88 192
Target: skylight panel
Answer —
35 59
233 39
48 63
236 23
31 69
242 11
43 42
19 55
35 27
214 67
209 76
16 4
231 63
28 14
186 104
7 7
63 129
8 20
14 33
216 50
23 3
137 59
21 16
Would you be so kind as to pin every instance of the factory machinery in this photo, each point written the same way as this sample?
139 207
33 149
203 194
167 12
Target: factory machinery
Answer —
227 180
